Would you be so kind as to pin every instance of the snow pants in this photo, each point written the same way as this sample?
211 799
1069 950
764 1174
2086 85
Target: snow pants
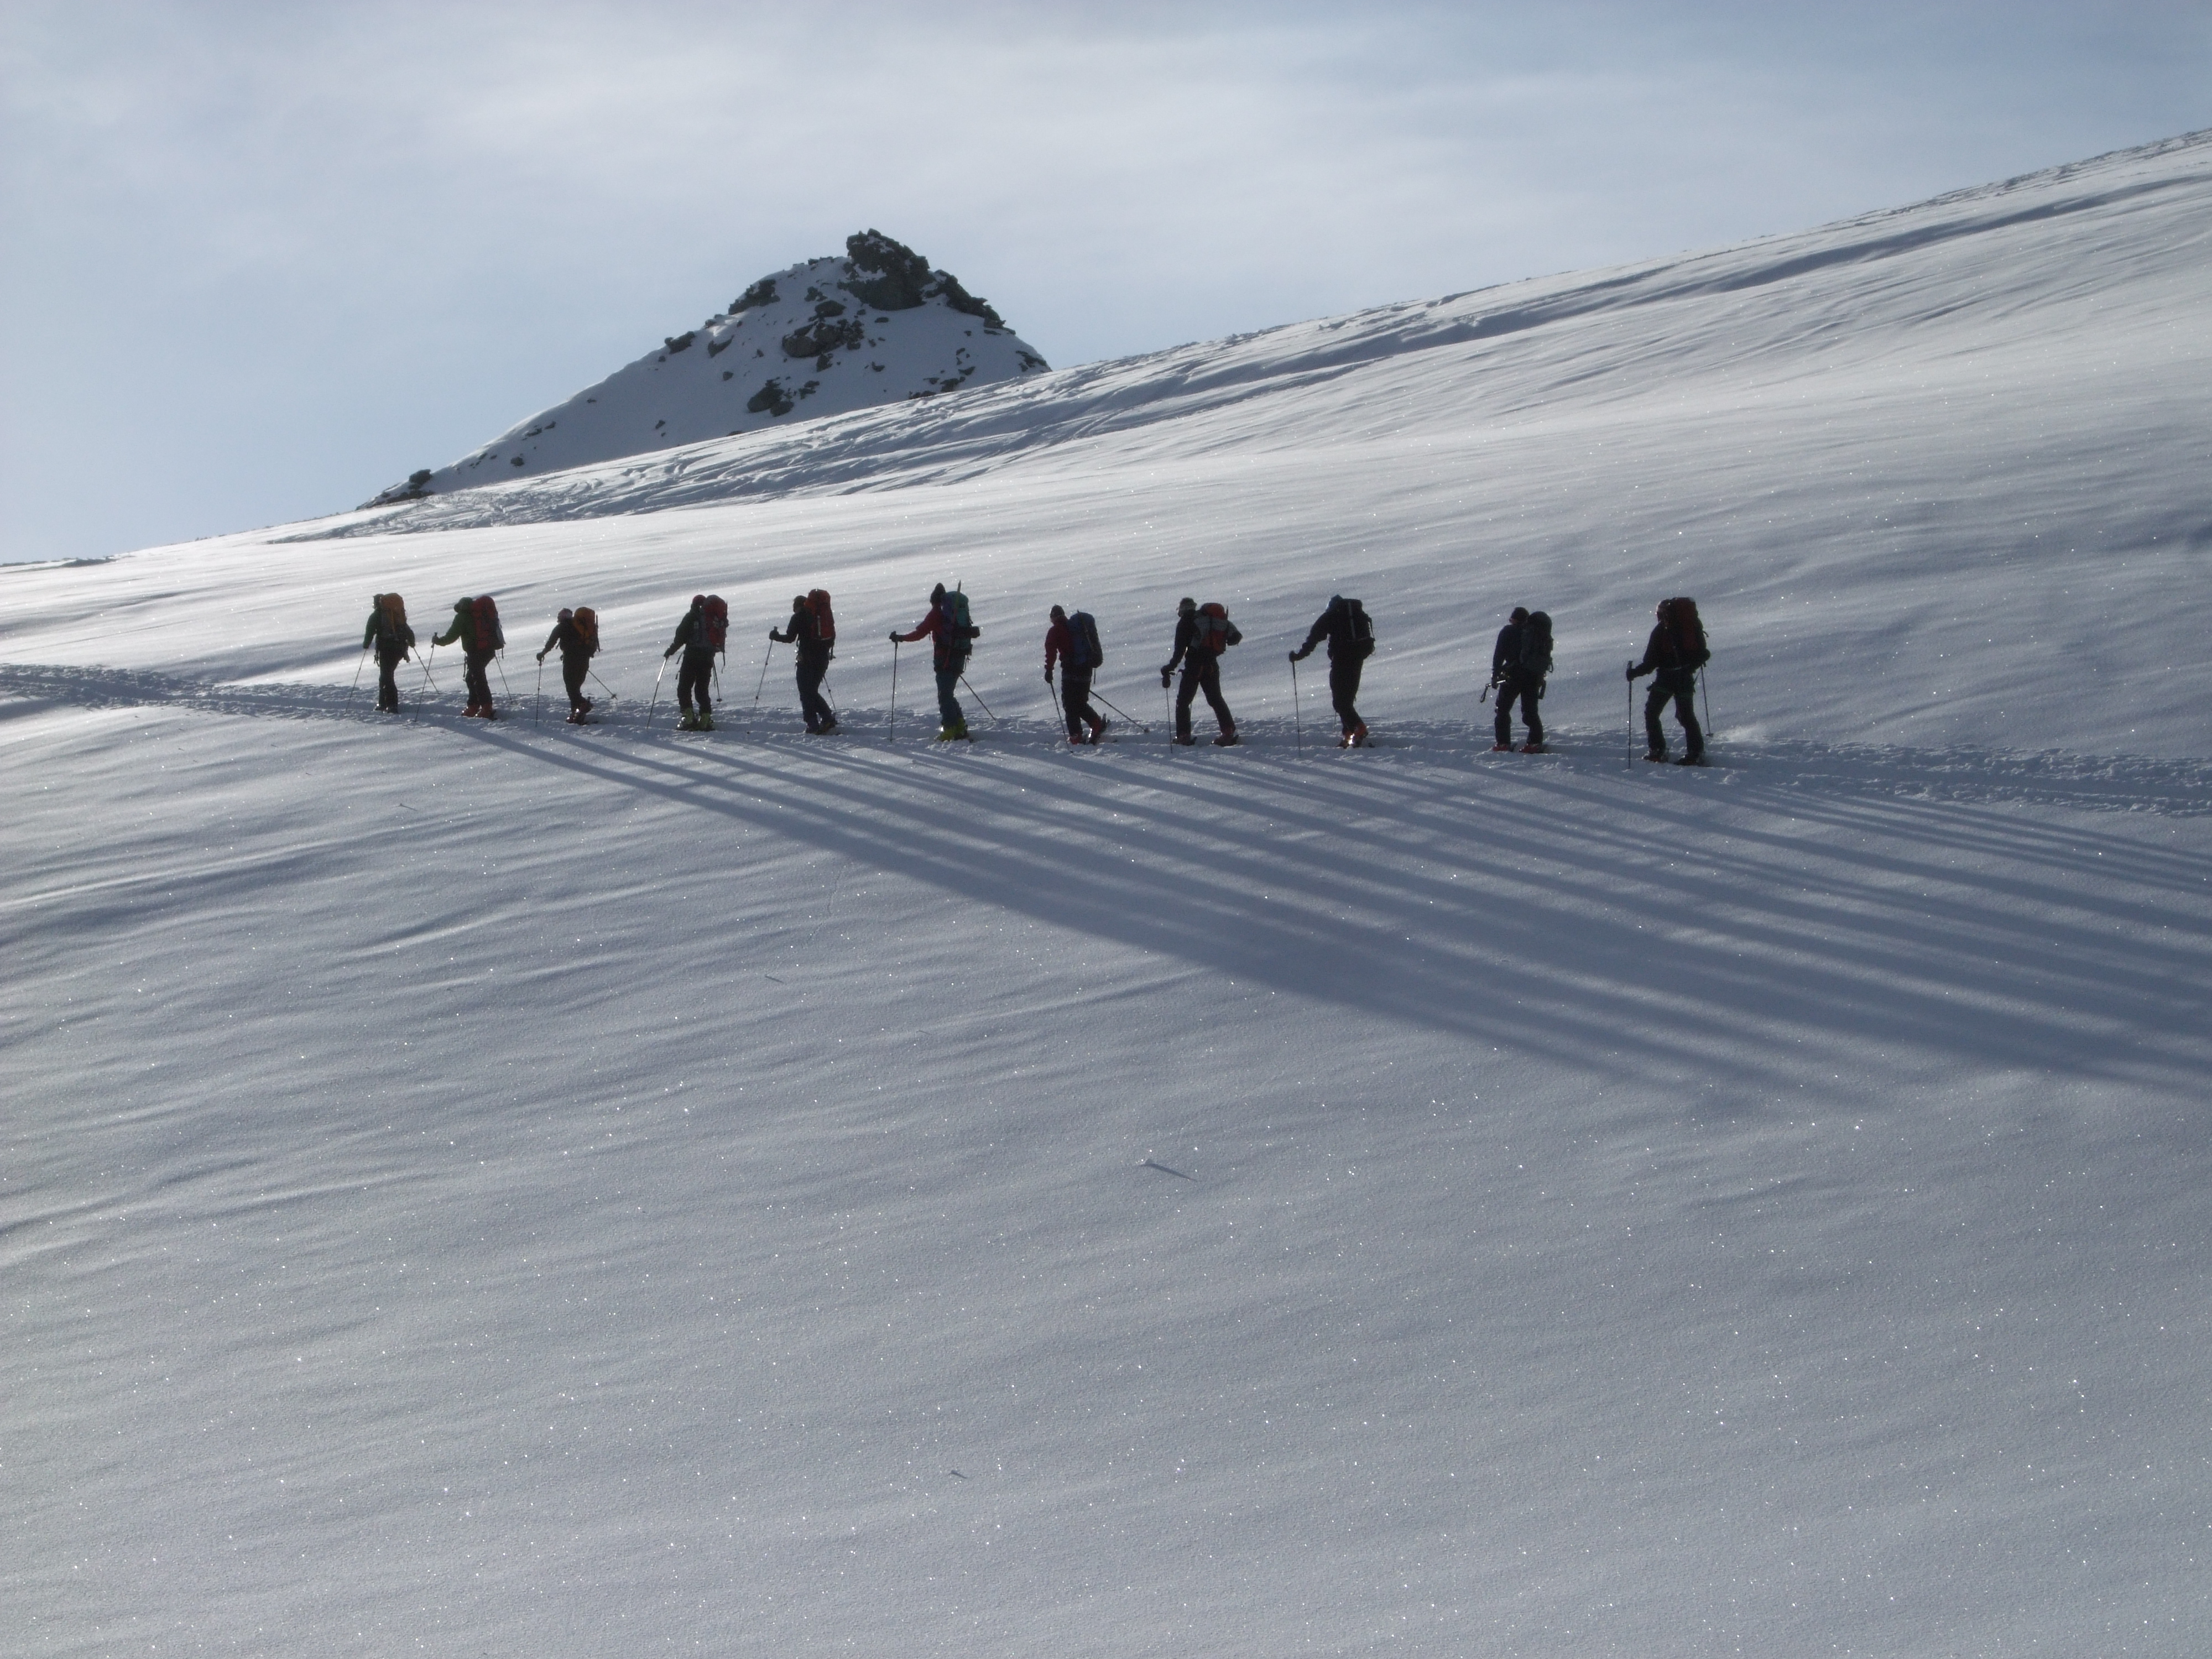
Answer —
574 667
695 677
473 663
1075 699
950 716
1201 671
1344 691
388 659
812 704
1519 688
1679 687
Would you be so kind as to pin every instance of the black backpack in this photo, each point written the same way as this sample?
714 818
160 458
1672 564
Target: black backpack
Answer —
1536 645
1358 632
1083 649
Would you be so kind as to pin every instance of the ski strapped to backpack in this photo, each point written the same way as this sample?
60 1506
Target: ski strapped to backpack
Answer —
1084 650
1687 633
587 623
825 624
1215 633
484 632
715 617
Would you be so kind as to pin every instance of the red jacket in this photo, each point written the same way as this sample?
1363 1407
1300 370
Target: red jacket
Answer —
1059 640
937 624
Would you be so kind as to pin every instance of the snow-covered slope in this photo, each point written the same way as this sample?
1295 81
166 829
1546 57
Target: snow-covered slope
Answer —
823 337
527 1190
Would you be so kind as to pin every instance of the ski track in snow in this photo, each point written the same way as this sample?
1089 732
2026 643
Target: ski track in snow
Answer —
523 1189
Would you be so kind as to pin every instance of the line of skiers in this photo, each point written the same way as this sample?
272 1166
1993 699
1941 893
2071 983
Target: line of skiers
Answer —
1520 663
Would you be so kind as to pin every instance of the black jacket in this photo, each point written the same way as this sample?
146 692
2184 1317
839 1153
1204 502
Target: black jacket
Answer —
805 632
1662 655
1505 655
569 638
1335 625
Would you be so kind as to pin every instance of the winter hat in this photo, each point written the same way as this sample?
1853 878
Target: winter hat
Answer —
1184 607
567 616
1520 614
937 593
1058 615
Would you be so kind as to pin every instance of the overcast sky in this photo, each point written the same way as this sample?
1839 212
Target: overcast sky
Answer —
261 259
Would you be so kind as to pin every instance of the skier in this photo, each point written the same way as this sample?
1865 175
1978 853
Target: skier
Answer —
1075 645
1674 654
1202 635
947 624
577 635
1519 664
813 654
476 625
698 636
394 640
1350 642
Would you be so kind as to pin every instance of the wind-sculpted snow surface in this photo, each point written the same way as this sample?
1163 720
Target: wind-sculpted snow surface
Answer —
526 1189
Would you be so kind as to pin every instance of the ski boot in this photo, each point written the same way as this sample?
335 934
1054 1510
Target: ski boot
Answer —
688 721
1501 748
1534 749
1698 759
706 721
1098 724
1656 757
1184 739
1356 738
1228 739
827 729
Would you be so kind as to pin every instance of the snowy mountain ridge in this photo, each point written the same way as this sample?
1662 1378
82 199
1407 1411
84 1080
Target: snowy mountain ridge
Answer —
1509 352
822 337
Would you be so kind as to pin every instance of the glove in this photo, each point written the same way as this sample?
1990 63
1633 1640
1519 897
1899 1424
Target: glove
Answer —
1631 673
895 638
1048 677
1166 674
541 656
772 639
667 654
1298 656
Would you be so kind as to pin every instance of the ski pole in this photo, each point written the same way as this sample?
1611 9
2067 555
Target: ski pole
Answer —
1124 713
893 738
978 695
613 696
761 685
538 698
357 667
1297 720
428 684
1630 760
499 662
1167 704
1706 689
655 703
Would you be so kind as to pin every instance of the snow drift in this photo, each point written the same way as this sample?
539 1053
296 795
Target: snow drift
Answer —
529 1190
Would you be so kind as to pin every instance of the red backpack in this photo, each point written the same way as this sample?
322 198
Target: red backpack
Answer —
586 622
716 615
1215 633
484 633
825 625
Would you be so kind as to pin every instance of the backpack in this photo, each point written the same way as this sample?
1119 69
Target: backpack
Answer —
962 631
825 625
1360 632
714 620
1536 645
587 623
1215 633
1687 633
483 629
1084 650
390 618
